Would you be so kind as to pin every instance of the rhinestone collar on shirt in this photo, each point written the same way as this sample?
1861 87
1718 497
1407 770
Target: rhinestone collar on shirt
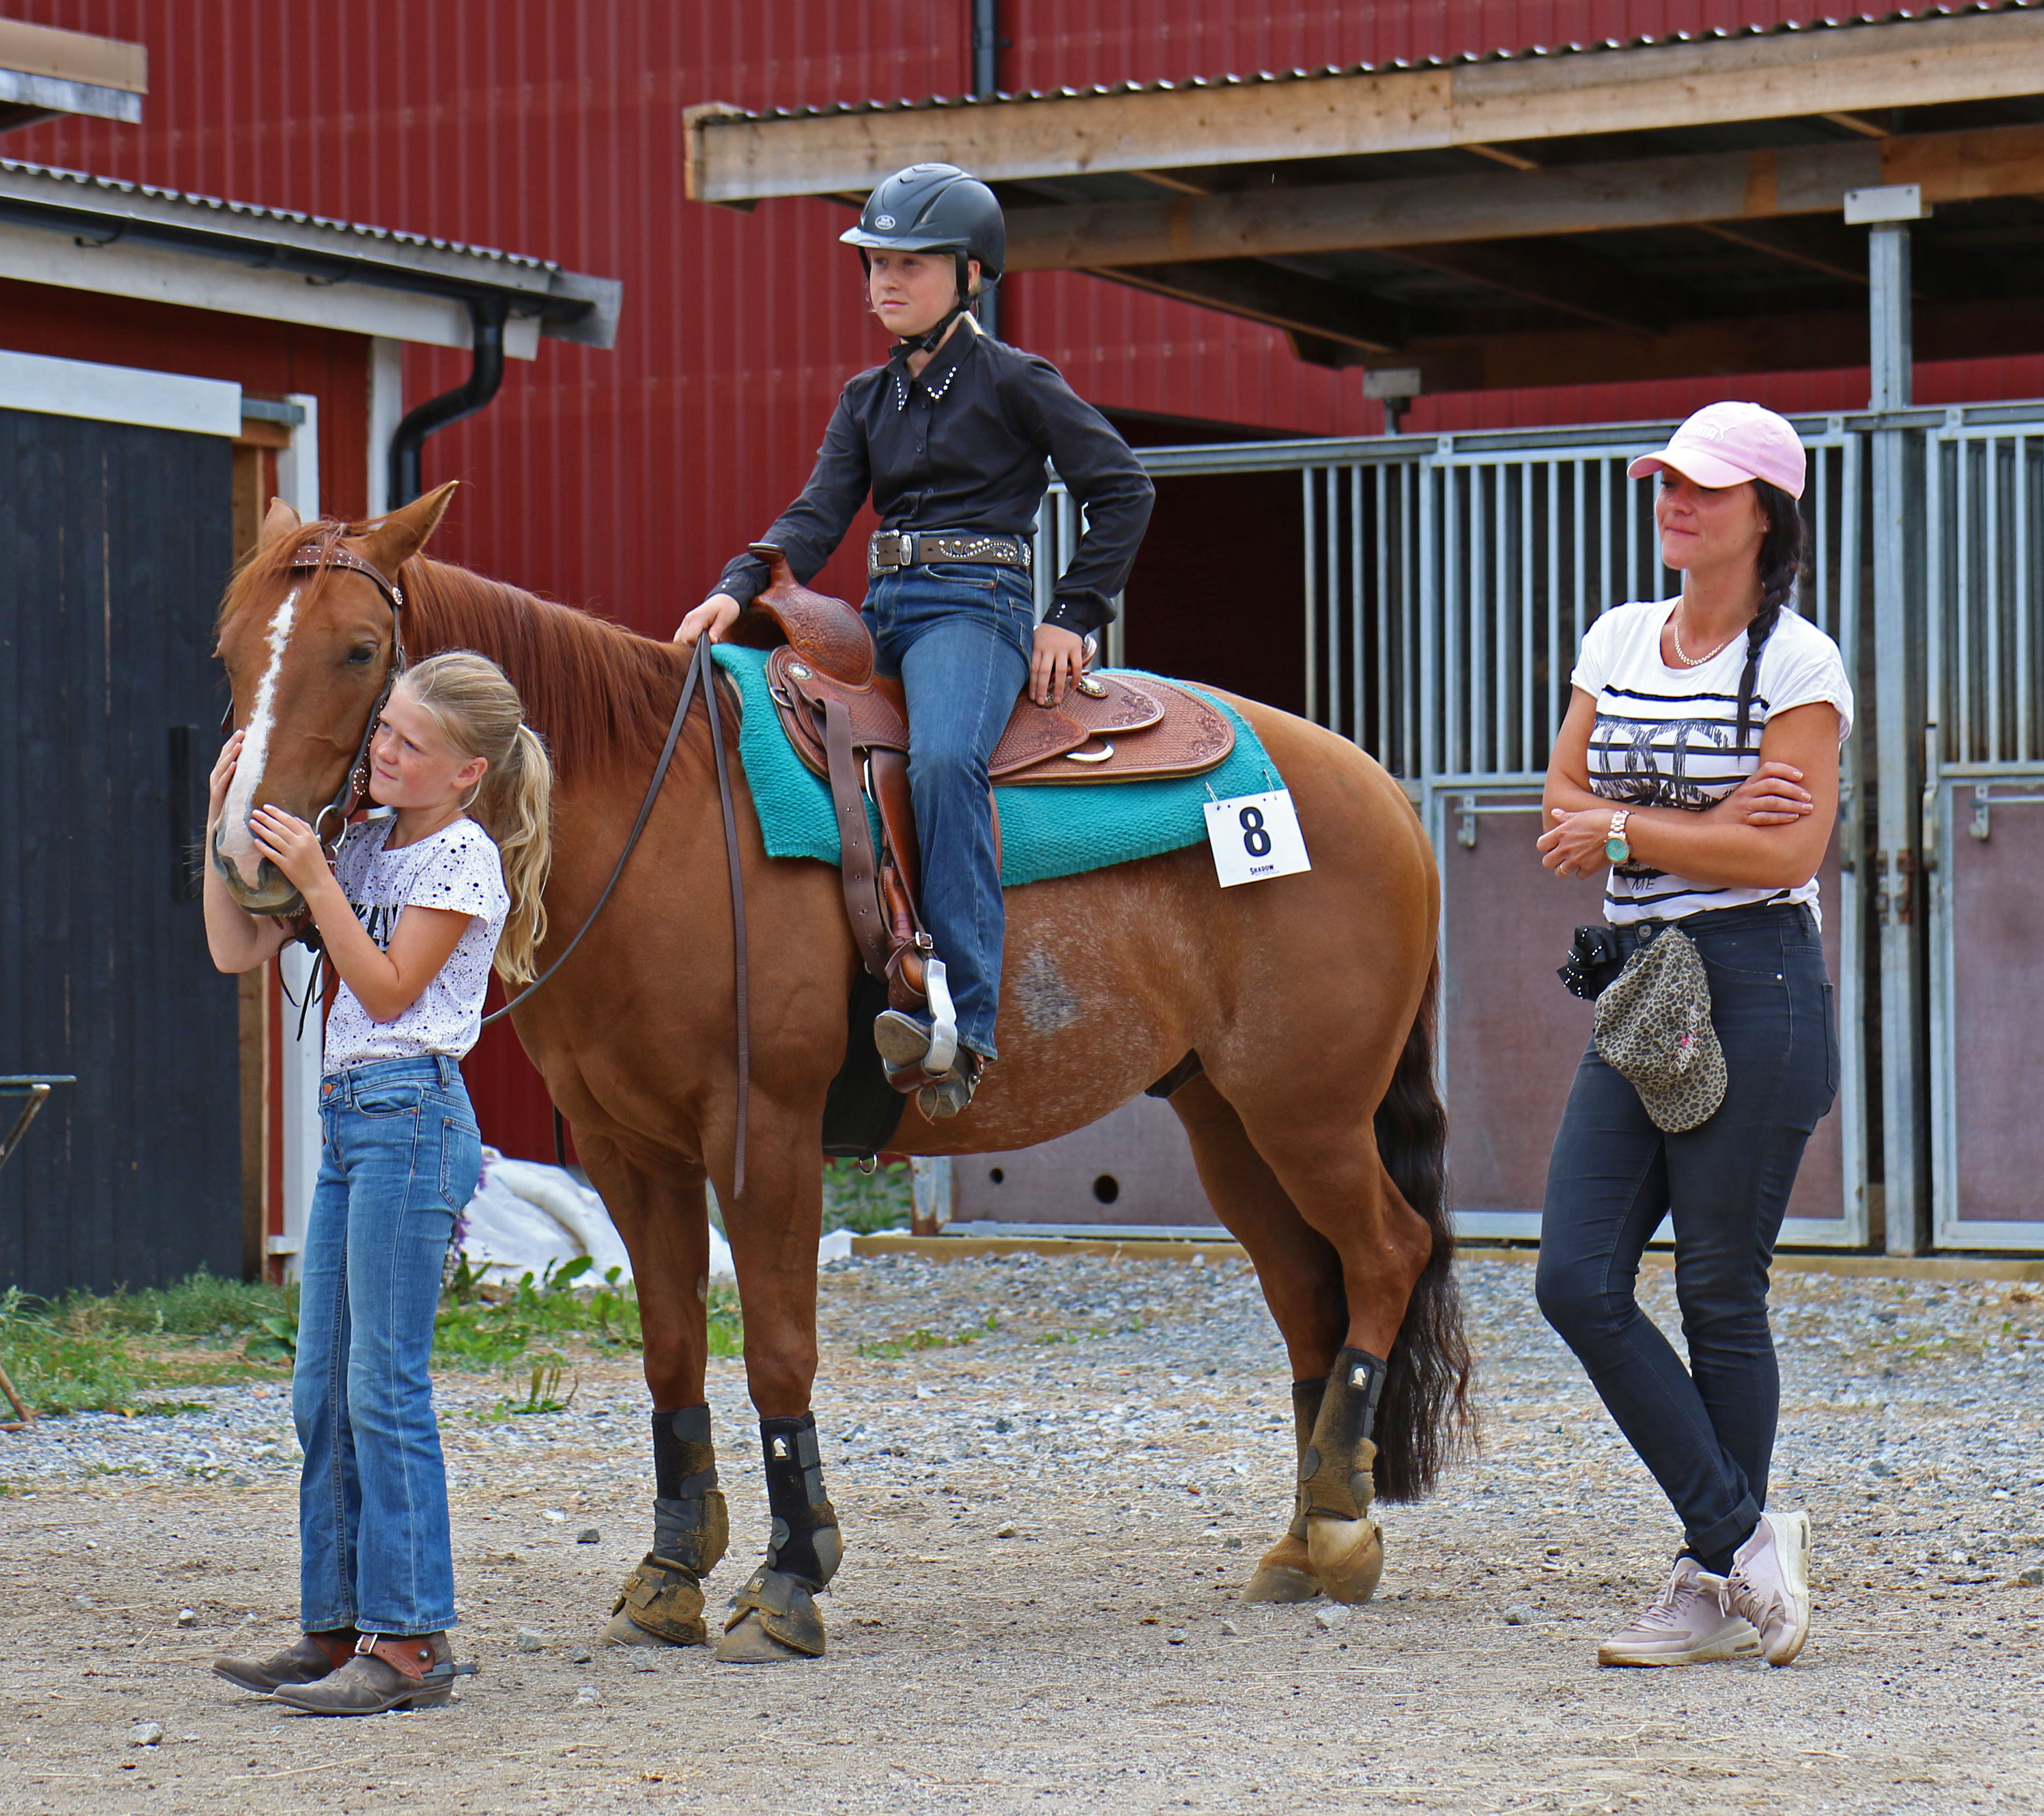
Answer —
936 391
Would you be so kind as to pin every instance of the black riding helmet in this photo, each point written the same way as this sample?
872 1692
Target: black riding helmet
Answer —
936 208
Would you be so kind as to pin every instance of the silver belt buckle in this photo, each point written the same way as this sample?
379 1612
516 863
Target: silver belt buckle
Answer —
884 553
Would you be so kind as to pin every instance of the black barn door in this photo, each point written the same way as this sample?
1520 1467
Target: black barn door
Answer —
115 543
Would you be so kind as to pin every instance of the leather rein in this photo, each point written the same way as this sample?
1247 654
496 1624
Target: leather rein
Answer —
355 788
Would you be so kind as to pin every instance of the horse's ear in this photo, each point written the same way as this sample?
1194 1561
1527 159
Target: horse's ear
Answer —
396 538
280 519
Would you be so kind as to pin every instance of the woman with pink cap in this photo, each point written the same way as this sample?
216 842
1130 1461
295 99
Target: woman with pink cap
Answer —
1700 761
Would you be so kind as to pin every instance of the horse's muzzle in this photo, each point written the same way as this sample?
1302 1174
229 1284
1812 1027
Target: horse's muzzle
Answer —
272 892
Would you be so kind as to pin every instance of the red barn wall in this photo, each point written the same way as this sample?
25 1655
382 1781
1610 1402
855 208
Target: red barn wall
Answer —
268 359
624 479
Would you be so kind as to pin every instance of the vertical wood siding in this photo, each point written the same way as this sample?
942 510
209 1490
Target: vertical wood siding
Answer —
113 544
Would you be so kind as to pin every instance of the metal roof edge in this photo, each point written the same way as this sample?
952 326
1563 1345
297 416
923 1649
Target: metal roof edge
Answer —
570 306
724 114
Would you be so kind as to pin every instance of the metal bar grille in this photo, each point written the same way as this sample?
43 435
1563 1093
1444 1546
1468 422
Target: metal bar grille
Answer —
1448 582
1984 523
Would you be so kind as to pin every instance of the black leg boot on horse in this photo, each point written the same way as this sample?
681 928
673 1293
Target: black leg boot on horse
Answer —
1337 1482
1286 1573
774 1617
663 1602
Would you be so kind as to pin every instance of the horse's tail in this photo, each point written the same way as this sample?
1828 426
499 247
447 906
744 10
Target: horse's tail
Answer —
1423 1415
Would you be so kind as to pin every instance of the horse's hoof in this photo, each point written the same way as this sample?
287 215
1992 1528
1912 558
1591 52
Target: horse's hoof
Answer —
663 1600
750 1643
1347 1556
1284 1575
623 1630
775 1618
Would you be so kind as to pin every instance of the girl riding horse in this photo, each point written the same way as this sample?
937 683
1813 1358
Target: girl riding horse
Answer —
949 438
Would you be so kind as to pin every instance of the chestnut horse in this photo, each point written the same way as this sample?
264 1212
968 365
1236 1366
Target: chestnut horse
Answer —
1307 1001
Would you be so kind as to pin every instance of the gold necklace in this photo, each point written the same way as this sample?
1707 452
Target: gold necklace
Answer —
1682 655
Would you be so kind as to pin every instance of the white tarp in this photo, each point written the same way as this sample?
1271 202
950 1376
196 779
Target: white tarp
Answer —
526 1215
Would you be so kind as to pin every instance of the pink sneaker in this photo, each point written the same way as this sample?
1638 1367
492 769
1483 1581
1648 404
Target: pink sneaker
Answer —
1769 1584
1687 1623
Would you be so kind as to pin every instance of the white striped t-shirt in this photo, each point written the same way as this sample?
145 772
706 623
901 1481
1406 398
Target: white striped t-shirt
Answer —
1665 737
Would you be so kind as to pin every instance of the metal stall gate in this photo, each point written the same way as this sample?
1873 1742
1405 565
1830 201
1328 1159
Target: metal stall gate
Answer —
1984 835
1448 582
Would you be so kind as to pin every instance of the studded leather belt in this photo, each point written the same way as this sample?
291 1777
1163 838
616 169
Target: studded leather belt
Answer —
891 551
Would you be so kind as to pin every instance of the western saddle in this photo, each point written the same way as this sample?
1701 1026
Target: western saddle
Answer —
850 725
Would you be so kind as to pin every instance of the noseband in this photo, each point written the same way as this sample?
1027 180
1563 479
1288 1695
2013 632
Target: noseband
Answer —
355 784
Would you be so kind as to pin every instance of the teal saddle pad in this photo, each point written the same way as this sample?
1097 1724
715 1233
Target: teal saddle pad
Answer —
1057 829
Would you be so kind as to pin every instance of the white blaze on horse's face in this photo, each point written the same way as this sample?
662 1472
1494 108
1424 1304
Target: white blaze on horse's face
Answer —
237 844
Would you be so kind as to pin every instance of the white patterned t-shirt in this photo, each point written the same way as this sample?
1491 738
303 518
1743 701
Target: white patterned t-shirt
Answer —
457 870
1669 737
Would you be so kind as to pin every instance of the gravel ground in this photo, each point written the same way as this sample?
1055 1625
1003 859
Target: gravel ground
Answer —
1051 1498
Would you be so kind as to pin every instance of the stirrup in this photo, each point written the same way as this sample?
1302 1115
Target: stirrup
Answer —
944 1052
953 1092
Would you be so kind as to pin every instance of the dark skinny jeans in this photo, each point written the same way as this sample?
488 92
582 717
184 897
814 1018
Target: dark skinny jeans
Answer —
1707 1432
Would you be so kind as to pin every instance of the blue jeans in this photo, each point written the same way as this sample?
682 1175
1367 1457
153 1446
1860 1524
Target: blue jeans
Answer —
959 635
1707 1432
401 1156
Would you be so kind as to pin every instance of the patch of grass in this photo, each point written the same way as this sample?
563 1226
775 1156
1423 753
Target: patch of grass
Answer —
865 1203
102 1352
894 1349
87 1352
486 1328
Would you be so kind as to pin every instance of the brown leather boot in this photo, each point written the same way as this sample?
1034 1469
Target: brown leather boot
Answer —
313 1657
387 1672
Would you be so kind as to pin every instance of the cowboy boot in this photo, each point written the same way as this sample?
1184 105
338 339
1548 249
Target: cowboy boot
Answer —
313 1657
387 1672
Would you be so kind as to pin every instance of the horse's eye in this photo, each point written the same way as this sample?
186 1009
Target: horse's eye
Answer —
362 656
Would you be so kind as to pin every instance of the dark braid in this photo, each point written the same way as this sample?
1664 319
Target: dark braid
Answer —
1781 565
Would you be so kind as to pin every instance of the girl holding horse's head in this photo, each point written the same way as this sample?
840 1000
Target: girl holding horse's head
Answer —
949 438
419 902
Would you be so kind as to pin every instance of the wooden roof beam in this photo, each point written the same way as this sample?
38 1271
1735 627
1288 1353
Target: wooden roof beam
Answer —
1300 305
1575 198
45 71
1775 341
1845 69
1554 274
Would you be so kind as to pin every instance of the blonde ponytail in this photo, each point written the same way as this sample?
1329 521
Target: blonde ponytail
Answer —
479 713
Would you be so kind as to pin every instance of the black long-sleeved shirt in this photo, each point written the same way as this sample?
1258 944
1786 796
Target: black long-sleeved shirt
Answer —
962 447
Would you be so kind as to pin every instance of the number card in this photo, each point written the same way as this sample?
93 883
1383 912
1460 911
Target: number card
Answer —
1256 836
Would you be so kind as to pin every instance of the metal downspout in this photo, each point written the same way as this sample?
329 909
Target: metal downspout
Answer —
986 45
486 376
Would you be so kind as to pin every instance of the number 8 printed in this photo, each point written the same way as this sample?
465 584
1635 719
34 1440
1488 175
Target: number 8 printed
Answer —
1255 841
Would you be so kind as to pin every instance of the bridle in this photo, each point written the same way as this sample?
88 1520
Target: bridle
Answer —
354 787
355 784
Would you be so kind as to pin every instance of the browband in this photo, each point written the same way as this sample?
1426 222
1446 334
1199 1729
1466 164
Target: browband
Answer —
312 554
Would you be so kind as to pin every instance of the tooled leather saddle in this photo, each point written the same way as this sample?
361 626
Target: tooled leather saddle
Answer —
850 725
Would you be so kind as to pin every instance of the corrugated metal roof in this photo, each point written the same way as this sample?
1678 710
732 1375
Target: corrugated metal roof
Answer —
1395 66
569 305
209 209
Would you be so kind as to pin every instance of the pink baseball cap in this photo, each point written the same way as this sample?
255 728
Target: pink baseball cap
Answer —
1727 444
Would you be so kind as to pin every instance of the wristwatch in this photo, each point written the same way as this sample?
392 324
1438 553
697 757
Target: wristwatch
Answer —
1615 847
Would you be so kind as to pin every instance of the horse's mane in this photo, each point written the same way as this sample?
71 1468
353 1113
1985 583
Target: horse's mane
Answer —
597 693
